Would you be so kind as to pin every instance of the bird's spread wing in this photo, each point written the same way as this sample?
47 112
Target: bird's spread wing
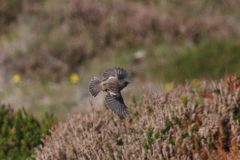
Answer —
115 72
115 102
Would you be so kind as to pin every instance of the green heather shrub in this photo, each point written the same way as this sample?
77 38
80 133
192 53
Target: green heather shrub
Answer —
189 122
20 133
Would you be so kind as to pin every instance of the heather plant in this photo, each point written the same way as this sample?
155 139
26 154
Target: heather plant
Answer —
58 38
199 121
9 11
20 132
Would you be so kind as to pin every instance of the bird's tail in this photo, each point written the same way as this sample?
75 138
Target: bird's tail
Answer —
92 87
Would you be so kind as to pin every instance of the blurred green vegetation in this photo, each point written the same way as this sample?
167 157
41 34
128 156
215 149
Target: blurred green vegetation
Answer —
21 132
209 60
51 41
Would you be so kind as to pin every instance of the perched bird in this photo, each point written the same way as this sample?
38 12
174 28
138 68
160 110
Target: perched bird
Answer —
112 84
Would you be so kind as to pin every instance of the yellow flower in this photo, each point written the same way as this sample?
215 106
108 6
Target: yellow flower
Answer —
74 78
195 82
16 78
169 86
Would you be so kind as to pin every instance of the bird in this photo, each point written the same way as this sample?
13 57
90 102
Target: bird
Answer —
112 84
